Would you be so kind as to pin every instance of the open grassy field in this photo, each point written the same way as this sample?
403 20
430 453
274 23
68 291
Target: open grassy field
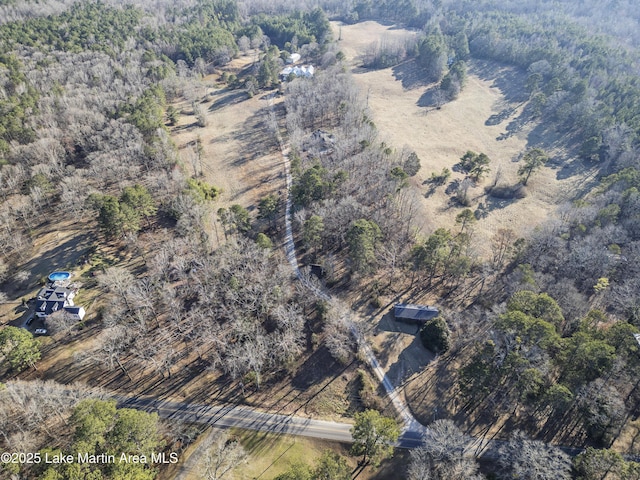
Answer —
485 118
269 455
240 152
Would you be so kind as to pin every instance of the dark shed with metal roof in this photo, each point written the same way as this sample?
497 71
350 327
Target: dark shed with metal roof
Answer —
414 313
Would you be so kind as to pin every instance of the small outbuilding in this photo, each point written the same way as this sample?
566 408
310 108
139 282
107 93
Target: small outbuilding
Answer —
77 313
407 312
293 58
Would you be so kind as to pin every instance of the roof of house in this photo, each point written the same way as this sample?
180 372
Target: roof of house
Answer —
51 299
409 311
55 293
302 71
47 307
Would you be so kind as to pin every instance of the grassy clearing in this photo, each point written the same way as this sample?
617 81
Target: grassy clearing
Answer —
271 454
485 118
240 153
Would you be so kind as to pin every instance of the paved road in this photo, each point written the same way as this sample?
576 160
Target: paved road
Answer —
252 419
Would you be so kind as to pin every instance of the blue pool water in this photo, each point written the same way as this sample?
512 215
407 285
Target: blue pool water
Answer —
55 276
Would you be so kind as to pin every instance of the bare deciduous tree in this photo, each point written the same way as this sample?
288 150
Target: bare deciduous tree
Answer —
528 459
223 454
119 281
60 322
443 455
338 338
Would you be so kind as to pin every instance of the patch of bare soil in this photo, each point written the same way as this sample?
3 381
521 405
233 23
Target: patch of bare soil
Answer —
485 118
397 347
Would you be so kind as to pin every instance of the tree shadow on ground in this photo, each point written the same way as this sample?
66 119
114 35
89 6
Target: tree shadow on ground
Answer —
431 190
435 382
452 187
412 360
515 126
508 79
411 75
395 331
566 158
256 137
431 98
388 323
501 116
229 97
319 366
492 202
64 256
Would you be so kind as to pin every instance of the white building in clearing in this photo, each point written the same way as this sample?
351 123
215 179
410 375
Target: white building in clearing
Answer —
305 71
58 295
293 58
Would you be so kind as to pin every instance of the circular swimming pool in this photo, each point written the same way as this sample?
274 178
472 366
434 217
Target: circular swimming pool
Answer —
56 276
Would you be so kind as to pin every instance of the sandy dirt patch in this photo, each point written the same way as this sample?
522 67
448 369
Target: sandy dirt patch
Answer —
398 348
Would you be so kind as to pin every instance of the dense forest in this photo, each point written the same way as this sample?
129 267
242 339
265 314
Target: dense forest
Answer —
86 94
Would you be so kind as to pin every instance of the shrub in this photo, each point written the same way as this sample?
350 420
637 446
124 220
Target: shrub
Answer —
508 192
436 336
440 178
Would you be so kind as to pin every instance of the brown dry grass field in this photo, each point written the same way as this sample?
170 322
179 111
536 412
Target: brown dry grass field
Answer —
240 152
441 136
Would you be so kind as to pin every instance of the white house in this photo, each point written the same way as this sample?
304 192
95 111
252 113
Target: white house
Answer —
305 71
58 295
51 299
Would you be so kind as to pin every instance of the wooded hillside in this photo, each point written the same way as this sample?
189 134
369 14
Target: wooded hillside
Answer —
185 286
